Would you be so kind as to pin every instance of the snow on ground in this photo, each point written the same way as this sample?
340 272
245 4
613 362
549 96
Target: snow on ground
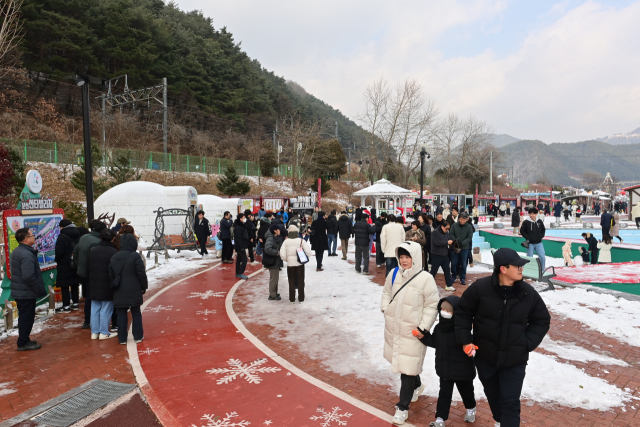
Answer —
615 317
340 323
574 352
179 264
4 388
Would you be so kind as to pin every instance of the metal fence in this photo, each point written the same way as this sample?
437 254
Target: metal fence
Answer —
57 153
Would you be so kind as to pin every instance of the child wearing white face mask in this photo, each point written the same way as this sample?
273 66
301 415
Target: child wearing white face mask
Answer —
453 366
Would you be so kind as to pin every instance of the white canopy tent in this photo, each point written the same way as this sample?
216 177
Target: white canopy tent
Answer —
387 197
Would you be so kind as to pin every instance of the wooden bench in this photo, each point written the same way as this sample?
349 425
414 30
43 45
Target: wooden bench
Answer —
533 270
176 241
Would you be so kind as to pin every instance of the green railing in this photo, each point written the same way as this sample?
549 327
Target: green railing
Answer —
61 153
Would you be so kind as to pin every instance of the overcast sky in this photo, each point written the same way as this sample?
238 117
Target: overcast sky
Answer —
558 71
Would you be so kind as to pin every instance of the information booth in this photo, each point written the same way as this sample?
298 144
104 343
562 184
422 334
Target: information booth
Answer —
483 203
37 213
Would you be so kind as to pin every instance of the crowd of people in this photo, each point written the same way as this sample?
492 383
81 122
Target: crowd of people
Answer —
103 261
480 333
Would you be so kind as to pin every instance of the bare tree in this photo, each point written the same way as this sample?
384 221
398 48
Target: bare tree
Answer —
461 147
10 33
397 121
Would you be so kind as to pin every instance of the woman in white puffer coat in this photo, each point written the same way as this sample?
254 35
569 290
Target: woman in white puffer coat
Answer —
410 302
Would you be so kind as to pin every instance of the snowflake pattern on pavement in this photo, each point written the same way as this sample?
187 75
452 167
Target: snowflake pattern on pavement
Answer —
248 371
158 308
207 295
206 312
213 421
148 351
328 417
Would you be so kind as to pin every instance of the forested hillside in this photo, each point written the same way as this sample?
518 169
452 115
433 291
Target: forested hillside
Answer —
148 40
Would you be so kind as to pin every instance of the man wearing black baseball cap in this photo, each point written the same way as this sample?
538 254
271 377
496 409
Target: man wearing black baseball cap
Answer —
509 320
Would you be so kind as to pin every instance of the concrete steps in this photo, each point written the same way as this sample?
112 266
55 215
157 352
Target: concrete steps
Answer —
478 242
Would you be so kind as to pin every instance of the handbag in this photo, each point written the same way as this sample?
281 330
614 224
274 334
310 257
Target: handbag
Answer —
302 256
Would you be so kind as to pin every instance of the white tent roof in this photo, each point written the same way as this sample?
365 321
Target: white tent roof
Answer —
383 188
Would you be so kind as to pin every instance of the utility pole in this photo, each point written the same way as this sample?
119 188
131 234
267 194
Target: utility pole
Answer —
104 133
491 172
164 116
337 131
88 167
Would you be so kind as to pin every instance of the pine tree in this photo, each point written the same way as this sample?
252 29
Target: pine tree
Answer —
229 183
121 171
100 184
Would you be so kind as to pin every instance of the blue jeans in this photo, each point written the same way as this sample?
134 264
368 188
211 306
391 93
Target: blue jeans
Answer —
539 250
462 257
503 387
333 243
390 263
101 312
259 248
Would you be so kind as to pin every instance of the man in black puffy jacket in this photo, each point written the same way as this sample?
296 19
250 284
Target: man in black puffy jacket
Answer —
241 243
67 277
100 289
509 320
362 230
332 231
26 285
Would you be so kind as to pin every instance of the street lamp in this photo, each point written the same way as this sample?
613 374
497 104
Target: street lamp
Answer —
423 152
83 82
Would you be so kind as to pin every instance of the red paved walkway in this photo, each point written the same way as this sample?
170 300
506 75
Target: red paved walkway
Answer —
200 367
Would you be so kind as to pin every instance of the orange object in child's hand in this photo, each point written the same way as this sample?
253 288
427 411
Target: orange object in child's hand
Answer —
415 332
470 349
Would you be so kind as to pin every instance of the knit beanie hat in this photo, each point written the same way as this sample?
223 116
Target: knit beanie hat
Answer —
273 227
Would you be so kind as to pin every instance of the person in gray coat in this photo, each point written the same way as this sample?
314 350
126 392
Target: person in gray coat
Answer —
26 285
271 258
129 267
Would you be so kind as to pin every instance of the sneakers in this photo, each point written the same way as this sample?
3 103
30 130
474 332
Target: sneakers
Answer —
319 269
274 298
497 424
463 282
365 273
242 276
106 337
113 328
94 336
292 302
400 417
358 271
417 392
344 257
75 306
378 265
31 345
139 341
123 343
470 416
437 423
449 288
63 310
86 325
454 279
300 302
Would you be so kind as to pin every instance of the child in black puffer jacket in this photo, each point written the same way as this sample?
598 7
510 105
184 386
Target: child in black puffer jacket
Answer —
453 366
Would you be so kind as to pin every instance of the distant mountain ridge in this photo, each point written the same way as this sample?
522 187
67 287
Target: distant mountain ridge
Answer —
560 163
632 137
